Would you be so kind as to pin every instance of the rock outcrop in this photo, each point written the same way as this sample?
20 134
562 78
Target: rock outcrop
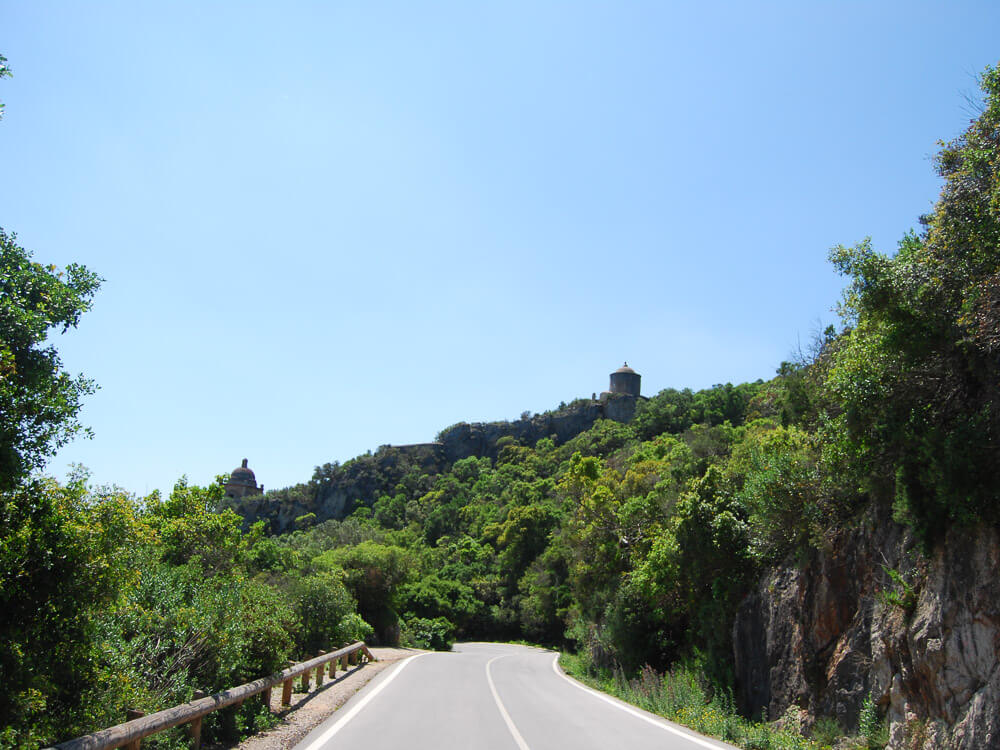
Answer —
871 615
482 438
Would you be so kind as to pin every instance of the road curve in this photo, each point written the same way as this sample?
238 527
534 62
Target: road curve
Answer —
492 696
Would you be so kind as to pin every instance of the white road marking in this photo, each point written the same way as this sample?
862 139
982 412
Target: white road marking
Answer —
635 712
503 711
356 709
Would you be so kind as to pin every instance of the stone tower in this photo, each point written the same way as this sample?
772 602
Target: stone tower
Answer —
625 380
242 482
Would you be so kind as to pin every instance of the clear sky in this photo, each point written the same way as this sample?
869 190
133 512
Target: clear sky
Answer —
328 226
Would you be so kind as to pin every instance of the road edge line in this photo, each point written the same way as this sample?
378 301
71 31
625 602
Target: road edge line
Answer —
661 723
503 711
356 709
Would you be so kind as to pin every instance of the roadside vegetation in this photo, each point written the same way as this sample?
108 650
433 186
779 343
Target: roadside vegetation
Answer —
630 545
683 695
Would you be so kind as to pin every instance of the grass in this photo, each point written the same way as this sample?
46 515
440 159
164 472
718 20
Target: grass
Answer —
682 696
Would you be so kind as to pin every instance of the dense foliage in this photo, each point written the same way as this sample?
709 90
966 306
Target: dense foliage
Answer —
112 602
38 400
917 375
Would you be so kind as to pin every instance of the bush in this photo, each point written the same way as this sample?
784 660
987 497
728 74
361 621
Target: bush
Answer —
434 596
322 604
421 632
354 628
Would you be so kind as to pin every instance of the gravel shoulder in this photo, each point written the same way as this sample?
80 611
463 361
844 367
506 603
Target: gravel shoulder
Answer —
308 710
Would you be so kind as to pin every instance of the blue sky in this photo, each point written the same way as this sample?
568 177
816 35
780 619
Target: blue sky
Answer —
328 226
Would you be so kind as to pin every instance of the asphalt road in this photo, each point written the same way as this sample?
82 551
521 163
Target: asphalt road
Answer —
492 697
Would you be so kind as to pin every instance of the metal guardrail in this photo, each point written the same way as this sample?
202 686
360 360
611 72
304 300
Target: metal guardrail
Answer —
131 733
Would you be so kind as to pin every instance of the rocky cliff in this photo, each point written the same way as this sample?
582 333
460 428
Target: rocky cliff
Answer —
872 615
482 438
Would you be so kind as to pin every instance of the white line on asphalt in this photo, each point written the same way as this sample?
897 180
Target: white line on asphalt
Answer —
356 709
503 711
635 712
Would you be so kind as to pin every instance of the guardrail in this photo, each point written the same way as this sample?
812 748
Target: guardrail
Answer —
131 733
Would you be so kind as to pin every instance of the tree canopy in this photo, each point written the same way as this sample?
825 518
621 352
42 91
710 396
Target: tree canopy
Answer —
916 375
39 401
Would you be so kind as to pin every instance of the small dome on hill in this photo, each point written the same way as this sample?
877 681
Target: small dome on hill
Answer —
243 475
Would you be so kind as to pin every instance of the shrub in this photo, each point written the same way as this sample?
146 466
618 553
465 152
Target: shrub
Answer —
871 727
322 603
436 634
354 628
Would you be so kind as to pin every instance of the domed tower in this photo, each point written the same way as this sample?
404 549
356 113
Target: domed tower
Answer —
242 482
625 380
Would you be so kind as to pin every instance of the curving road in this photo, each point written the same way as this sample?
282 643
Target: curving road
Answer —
492 696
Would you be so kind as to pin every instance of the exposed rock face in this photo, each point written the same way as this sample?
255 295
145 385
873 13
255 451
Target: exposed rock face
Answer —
826 634
481 439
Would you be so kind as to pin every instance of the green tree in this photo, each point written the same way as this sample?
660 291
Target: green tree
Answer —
434 596
373 573
522 537
699 568
64 557
38 400
190 526
779 478
917 370
322 603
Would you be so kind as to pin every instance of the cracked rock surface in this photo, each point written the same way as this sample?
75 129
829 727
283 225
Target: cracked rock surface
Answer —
825 633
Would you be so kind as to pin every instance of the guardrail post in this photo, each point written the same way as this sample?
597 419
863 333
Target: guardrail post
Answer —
353 658
130 714
286 688
266 698
194 728
320 671
228 715
305 681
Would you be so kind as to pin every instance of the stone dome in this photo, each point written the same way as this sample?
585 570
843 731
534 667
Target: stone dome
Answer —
626 369
243 475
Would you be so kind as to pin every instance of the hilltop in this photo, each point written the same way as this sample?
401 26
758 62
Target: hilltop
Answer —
337 490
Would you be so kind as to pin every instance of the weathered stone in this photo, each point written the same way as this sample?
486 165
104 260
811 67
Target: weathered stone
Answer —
828 633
